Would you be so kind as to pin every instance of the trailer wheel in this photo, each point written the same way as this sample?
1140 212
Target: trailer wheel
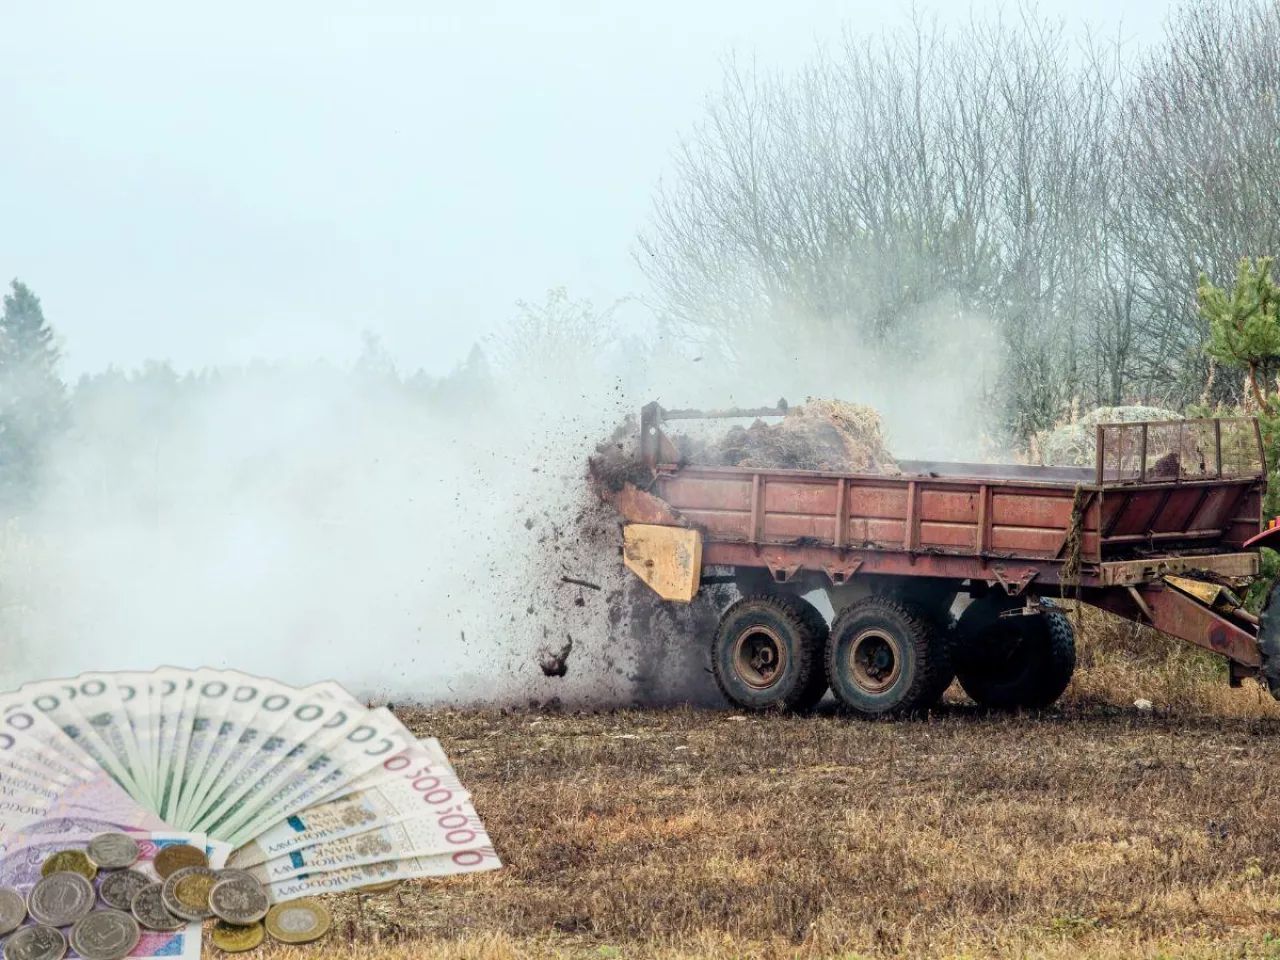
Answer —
1269 639
767 653
1008 663
818 631
887 657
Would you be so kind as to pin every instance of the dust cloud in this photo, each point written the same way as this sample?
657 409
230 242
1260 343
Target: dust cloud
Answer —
307 522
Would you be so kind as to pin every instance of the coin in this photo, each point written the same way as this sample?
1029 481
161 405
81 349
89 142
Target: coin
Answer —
237 899
113 851
298 921
118 889
76 861
235 939
177 856
148 909
60 899
13 910
105 935
36 943
198 882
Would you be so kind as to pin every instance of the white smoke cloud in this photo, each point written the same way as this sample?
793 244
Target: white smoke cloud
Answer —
305 523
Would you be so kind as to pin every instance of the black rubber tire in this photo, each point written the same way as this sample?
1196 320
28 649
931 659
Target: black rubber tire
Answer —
1269 639
816 625
783 621
1012 663
898 637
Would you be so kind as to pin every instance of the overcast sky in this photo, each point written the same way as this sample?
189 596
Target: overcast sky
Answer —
268 179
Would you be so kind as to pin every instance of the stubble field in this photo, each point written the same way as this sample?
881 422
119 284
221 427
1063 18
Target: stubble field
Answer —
1095 829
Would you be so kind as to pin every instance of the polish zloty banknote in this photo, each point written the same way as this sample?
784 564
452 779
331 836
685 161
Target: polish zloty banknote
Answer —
99 702
26 802
338 784
61 757
210 722
335 881
414 783
349 750
447 833
256 746
310 717
179 708
236 734
56 700
186 732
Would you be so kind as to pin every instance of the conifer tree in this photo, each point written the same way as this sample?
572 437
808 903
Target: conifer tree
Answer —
33 403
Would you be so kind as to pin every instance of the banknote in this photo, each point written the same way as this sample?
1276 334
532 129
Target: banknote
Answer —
209 723
236 735
94 800
310 718
99 702
178 710
348 878
447 833
234 758
57 754
56 700
358 744
257 746
414 783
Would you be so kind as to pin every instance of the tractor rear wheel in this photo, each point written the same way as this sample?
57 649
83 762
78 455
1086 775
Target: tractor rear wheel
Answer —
887 657
767 653
1019 662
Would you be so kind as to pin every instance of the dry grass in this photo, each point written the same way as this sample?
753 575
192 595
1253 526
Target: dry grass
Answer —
1093 830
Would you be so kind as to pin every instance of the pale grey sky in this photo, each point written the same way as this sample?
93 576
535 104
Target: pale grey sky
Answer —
268 179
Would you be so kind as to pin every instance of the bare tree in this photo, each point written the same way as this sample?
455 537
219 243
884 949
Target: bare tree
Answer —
842 205
1203 129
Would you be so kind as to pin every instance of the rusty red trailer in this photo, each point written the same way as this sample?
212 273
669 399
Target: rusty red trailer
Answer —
1158 530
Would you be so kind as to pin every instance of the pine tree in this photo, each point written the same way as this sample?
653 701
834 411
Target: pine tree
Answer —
1243 328
33 401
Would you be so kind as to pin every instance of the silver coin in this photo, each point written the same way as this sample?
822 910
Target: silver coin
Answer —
60 899
176 906
118 889
36 943
239 900
113 851
105 935
13 910
148 909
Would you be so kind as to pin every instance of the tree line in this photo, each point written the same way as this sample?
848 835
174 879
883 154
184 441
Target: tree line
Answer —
1058 185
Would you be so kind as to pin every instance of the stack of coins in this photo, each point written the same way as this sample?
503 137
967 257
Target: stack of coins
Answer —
188 890
65 900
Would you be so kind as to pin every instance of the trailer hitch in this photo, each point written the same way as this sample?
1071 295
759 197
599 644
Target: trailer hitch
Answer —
1014 587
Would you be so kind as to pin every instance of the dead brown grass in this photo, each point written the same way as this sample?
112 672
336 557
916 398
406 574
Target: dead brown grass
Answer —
1093 830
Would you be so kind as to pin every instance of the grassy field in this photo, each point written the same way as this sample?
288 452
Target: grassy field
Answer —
1094 830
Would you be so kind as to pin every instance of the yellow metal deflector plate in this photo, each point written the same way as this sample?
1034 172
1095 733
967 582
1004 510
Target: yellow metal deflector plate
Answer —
1206 593
668 559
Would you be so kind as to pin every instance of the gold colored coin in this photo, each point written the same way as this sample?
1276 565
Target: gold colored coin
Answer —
381 887
233 939
193 891
298 921
175 857
75 861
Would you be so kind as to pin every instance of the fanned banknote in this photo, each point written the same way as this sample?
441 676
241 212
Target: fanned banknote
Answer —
306 788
